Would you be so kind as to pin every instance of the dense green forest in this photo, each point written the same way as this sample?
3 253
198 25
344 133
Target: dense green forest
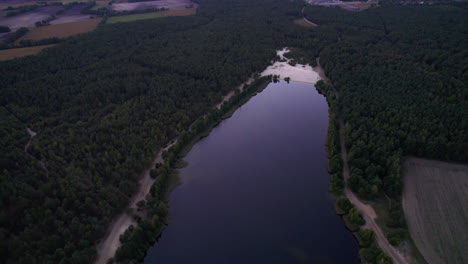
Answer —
401 72
103 104
136 241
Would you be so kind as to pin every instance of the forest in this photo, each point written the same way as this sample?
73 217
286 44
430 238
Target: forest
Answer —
105 102
102 105
401 75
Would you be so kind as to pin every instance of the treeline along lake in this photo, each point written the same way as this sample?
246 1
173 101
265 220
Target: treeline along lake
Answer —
256 189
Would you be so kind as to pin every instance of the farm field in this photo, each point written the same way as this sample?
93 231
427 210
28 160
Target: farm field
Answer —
101 4
17 3
61 30
434 201
30 18
9 54
169 4
350 6
71 15
134 17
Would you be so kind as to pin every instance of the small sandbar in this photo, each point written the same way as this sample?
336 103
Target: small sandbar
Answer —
298 73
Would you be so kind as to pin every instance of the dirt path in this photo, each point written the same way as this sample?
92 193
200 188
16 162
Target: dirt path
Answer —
307 20
107 248
41 163
233 92
31 135
366 210
321 73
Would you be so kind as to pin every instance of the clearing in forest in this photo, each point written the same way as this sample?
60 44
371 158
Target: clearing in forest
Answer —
61 30
304 22
9 54
167 13
435 202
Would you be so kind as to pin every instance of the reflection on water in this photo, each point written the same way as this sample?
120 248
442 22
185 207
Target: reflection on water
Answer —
256 189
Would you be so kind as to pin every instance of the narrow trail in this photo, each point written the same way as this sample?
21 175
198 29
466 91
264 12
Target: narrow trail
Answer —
366 210
307 20
108 246
239 88
321 73
31 135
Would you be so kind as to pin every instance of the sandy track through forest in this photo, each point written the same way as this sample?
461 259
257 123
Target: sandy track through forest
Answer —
366 210
107 248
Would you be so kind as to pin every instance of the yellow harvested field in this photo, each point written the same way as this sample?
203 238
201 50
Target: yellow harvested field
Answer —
61 30
435 202
10 54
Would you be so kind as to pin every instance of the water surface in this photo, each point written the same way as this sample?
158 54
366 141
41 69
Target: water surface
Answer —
256 189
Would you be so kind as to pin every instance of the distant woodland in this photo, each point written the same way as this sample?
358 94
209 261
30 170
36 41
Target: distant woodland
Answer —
401 72
103 104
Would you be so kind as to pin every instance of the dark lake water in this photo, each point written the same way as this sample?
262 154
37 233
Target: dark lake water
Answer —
256 189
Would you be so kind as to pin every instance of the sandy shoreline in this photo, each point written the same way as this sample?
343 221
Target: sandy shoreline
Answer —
106 248
239 88
298 73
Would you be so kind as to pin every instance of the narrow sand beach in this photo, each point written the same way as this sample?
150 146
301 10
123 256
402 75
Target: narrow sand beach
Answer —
107 248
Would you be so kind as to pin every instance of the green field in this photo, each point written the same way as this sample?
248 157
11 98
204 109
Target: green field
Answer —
134 17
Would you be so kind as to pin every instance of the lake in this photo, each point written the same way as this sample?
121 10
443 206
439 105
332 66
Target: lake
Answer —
256 189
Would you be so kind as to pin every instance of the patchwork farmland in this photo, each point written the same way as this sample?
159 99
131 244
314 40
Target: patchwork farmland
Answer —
29 19
71 15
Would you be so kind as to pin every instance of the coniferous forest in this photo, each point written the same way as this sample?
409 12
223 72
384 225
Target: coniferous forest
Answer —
401 73
105 102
